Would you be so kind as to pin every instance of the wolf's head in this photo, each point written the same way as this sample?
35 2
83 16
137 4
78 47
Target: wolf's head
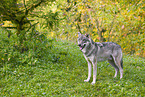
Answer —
83 40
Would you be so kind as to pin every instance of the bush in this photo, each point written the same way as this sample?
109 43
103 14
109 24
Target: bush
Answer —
33 49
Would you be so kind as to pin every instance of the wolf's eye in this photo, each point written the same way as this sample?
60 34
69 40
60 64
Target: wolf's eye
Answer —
84 40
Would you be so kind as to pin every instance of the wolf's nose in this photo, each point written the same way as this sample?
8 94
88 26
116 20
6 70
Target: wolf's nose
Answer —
79 44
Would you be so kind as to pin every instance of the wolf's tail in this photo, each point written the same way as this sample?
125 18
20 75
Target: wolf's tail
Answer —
122 62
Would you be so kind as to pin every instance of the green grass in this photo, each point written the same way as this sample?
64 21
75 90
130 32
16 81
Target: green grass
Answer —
59 71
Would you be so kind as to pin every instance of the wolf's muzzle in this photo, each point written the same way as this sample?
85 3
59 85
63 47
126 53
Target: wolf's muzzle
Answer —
81 46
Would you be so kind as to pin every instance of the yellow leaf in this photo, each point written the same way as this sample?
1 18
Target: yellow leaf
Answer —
3 59
74 27
52 34
95 30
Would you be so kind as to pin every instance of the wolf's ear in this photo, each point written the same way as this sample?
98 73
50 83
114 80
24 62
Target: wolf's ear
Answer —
79 33
87 35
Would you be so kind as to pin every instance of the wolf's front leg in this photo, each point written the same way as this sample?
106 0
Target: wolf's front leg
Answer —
89 72
94 72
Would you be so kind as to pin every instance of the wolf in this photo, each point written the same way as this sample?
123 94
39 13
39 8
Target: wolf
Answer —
96 52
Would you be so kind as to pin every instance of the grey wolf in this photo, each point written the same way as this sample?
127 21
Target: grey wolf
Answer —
95 52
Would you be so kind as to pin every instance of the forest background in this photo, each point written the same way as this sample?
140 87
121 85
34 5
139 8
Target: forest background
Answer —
39 55
112 20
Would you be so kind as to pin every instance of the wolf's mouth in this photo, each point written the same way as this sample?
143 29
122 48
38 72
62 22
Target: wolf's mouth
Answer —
81 47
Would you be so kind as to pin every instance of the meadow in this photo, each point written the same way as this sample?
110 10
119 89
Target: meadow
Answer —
57 68
39 55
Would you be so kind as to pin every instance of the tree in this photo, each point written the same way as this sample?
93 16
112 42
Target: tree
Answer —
18 12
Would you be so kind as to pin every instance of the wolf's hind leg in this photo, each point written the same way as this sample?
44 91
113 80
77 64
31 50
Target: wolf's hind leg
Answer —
120 66
115 67
117 61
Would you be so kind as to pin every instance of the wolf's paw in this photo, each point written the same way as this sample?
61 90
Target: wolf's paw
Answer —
120 77
86 80
93 83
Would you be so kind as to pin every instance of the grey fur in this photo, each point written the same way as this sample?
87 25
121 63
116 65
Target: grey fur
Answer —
96 52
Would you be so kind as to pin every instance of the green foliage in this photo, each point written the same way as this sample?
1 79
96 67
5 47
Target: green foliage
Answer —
34 44
118 21
52 67
25 15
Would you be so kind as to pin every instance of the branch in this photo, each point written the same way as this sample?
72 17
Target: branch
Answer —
32 26
31 8
79 27
97 25
25 5
112 24
111 27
